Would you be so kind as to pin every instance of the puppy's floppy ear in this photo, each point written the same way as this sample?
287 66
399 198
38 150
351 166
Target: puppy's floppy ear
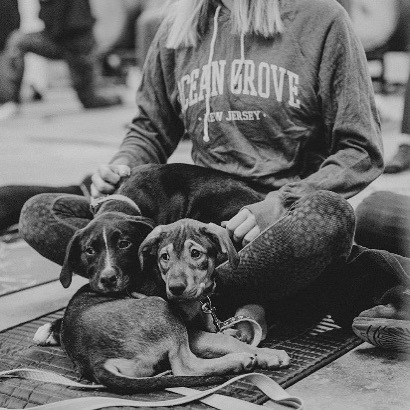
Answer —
71 260
143 224
150 245
221 238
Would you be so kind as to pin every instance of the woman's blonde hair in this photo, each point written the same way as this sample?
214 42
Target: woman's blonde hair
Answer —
188 19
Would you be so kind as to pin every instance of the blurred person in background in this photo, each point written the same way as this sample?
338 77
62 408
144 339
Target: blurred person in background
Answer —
400 41
68 35
401 159
9 21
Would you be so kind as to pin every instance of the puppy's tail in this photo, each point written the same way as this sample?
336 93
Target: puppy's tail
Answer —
109 374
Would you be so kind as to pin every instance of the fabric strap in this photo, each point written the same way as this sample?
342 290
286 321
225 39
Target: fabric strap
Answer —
269 387
96 203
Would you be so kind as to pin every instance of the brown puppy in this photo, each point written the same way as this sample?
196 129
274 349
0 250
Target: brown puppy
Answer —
186 254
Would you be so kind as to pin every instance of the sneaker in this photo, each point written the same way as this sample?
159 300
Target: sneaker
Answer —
8 110
387 325
400 162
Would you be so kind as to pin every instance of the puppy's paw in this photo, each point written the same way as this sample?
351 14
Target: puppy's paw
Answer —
252 363
271 358
248 362
45 336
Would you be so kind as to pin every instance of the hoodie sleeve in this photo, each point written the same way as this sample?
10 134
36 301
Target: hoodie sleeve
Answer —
351 123
350 118
157 128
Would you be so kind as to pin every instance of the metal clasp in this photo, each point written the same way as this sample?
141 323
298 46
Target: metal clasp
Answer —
210 310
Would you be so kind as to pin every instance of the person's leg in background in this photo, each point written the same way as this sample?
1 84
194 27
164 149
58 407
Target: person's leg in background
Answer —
18 45
401 42
401 160
35 82
79 53
9 22
383 222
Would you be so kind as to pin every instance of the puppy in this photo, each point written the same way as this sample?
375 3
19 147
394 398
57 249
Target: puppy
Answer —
118 342
106 250
169 192
185 255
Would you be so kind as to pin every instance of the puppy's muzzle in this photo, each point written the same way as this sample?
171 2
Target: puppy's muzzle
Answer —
110 280
179 290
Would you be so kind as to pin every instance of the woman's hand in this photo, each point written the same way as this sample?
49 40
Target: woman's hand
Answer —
243 227
107 178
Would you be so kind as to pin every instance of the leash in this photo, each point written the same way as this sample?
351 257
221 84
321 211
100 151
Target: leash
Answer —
276 394
220 326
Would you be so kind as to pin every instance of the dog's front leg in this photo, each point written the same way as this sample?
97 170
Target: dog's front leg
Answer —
209 345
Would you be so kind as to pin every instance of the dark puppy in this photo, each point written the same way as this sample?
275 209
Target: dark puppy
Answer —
115 341
167 193
106 250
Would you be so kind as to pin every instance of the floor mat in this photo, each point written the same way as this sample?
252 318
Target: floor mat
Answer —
21 267
309 351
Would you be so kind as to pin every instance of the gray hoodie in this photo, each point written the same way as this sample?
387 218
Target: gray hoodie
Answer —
295 113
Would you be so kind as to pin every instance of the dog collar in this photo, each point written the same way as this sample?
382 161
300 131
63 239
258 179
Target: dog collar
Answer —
97 202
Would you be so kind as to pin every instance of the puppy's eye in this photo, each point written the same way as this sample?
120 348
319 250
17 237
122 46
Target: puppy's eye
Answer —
124 244
90 250
164 257
195 253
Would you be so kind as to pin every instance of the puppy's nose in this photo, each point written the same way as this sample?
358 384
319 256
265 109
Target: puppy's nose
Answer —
177 289
109 281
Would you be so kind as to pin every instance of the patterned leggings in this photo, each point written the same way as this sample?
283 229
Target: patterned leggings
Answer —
303 265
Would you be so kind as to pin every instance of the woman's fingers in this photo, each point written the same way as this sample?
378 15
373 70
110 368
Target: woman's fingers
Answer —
107 178
251 235
242 227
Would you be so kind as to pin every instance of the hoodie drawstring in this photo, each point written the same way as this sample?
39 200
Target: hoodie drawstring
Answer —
208 77
209 73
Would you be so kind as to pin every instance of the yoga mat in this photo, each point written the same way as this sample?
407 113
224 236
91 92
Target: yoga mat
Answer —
21 267
309 350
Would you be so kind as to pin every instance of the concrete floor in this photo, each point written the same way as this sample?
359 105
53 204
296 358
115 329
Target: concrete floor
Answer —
56 142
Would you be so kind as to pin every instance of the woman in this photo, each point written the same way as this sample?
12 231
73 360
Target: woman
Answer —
276 92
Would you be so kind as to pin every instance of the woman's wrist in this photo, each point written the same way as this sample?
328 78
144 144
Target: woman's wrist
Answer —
121 161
